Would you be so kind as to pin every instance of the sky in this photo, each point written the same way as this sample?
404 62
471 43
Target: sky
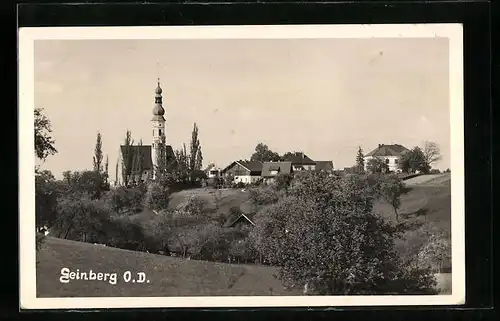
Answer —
324 97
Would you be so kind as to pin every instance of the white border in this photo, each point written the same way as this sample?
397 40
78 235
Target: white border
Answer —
27 36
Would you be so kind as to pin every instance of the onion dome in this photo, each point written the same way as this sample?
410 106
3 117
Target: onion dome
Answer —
158 108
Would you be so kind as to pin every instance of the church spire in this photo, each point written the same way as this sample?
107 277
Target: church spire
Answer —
158 110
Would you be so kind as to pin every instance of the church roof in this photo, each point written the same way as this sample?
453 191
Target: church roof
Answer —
145 154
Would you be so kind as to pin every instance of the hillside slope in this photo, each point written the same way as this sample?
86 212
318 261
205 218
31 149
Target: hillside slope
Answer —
168 276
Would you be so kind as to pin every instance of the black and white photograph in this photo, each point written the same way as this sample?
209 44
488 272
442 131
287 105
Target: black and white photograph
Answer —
241 166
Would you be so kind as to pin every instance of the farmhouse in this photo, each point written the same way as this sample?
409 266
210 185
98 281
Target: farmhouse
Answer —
140 160
270 170
246 172
300 162
389 153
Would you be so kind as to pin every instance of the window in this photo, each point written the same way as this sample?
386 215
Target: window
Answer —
396 161
153 132
387 160
160 132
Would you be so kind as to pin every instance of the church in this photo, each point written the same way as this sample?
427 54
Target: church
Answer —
142 160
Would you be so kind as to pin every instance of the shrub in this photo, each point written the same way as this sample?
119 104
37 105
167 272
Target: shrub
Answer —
326 232
240 185
128 200
39 240
157 196
283 181
434 171
264 195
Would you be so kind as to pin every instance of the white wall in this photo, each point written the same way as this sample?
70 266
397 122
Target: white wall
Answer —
393 165
246 179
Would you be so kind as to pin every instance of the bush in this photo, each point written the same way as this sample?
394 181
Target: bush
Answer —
325 232
157 196
126 200
434 171
240 185
39 240
264 195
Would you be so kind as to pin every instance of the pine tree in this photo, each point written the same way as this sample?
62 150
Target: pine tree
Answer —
127 157
360 160
98 154
194 149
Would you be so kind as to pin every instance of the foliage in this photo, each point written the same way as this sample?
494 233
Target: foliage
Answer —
413 160
196 158
283 181
434 171
390 188
126 200
435 253
97 159
44 143
360 160
92 183
263 195
157 196
127 157
46 194
82 218
264 154
325 231
377 165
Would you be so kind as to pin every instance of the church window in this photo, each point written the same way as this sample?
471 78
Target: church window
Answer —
160 131
153 132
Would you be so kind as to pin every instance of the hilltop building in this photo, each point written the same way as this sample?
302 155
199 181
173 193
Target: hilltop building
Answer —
389 153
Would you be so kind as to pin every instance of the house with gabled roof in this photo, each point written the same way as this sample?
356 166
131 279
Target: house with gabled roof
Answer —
246 172
389 153
300 161
271 170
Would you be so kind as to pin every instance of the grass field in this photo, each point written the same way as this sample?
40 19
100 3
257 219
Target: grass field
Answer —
168 276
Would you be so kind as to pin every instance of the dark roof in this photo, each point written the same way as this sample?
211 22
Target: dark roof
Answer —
388 150
281 167
145 154
255 167
232 220
300 159
324 166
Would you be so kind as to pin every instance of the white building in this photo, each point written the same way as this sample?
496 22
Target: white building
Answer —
389 153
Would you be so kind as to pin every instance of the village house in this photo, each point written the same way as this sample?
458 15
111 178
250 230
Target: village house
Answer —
142 159
212 171
300 162
389 153
270 170
246 172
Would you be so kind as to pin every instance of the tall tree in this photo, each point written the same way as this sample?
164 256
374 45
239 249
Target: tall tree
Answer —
360 160
98 154
431 153
127 157
44 143
106 169
116 172
264 154
195 159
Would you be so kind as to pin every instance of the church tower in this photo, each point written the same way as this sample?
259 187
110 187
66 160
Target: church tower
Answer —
158 124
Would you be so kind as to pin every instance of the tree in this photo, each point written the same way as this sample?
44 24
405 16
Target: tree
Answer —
360 160
325 233
431 153
157 196
377 165
196 158
413 160
98 154
391 188
44 143
46 194
106 169
264 154
90 183
127 157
